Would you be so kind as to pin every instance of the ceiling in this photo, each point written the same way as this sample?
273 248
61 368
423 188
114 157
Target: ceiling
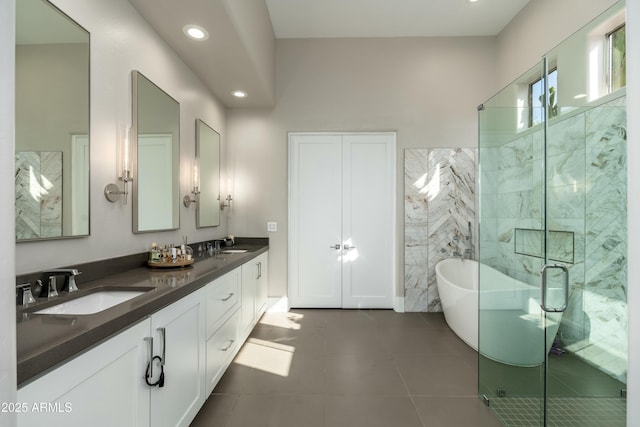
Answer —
242 32
390 18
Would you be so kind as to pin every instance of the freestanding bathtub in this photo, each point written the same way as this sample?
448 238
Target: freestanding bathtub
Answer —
512 320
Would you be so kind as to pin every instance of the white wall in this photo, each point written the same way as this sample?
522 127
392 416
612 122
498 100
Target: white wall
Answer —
120 42
426 89
633 211
7 230
538 28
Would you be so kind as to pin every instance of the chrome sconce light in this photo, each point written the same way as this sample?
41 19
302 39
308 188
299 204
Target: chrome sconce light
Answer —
226 203
112 191
187 200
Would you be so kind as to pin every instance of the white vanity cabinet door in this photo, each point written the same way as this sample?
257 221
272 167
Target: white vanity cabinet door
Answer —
248 299
262 283
254 293
183 326
221 349
103 387
223 297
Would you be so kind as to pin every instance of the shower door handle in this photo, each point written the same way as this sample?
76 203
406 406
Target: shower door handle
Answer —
543 288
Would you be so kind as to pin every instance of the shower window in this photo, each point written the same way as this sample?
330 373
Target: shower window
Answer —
537 98
617 59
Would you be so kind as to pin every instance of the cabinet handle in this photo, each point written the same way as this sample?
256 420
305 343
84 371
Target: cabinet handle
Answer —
347 247
229 346
227 298
149 341
257 270
260 270
337 246
163 334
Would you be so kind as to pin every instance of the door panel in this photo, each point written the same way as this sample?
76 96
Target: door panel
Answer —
341 220
367 221
315 221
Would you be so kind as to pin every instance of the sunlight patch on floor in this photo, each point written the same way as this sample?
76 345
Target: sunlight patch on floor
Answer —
266 356
282 320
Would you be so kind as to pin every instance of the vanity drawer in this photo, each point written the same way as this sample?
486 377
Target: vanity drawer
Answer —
221 348
222 299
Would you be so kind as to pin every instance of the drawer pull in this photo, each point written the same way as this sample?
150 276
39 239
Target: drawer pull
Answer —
228 298
229 346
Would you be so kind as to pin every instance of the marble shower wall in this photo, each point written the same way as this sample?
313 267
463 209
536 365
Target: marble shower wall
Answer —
586 210
440 203
38 194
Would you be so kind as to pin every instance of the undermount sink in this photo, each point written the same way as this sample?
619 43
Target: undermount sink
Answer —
235 251
94 302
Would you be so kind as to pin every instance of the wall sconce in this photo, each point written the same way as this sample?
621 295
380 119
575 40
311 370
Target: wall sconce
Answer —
187 200
112 191
226 203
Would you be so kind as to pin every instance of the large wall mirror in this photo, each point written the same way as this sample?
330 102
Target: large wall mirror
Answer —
52 124
156 155
208 153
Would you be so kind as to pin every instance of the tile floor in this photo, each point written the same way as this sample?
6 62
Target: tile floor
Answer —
352 368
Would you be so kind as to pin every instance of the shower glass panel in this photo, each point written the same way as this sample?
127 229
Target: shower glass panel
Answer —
553 198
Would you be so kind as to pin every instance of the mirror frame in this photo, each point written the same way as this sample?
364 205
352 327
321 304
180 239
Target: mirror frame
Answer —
200 126
71 133
135 75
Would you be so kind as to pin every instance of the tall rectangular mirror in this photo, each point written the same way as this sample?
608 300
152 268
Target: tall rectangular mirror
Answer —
52 124
208 154
156 157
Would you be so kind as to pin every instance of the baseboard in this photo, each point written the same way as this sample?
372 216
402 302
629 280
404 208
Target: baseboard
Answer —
277 305
398 304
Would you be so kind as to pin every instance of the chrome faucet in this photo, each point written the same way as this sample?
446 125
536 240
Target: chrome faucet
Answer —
51 290
69 277
27 296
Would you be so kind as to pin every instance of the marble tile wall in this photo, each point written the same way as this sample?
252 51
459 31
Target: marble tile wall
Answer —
586 184
440 203
38 194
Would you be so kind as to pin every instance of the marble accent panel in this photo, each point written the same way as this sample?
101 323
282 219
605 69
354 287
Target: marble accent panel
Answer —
27 205
38 194
605 301
51 202
439 204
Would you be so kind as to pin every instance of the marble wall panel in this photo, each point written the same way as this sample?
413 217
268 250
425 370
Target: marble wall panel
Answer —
439 204
38 194
27 204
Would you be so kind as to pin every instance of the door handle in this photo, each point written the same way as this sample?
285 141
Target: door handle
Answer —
347 247
163 333
336 246
543 288
149 341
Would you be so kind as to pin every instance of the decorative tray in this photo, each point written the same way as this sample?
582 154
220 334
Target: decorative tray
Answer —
177 264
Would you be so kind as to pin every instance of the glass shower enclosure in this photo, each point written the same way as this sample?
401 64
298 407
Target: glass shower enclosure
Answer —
552 215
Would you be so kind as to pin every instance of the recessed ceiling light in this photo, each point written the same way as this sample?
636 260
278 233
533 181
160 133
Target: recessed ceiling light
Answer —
239 93
472 1
195 32
580 96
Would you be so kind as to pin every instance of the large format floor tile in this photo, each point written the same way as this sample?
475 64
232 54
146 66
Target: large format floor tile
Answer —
334 368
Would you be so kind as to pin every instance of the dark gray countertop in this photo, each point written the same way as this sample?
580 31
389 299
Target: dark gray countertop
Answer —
45 341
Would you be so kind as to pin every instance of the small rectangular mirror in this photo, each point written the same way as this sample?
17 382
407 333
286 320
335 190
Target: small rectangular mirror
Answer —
208 154
156 157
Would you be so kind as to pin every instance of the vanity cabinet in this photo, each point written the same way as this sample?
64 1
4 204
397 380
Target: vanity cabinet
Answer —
254 293
102 387
181 327
196 337
262 284
223 318
106 385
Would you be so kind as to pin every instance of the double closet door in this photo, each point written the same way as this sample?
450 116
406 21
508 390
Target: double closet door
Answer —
341 220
